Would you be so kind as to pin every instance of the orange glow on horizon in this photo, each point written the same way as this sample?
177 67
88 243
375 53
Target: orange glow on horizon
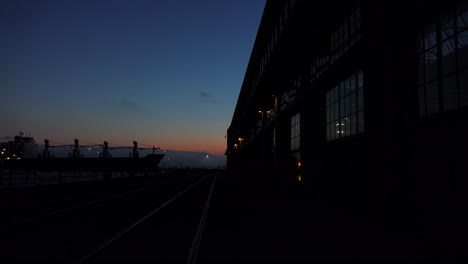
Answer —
216 146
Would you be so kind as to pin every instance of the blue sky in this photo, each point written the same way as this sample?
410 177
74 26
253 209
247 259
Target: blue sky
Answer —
164 73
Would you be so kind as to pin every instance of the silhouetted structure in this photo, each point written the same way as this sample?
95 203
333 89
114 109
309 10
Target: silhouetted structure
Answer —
369 98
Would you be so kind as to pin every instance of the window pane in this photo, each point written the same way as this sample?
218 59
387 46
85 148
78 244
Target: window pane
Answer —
421 79
430 40
333 131
337 111
360 79
430 62
342 91
360 97
463 50
360 122
352 82
432 98
332 112
448 56
327 99
348 125
346 87
422 101
462 18
447 27
430 36
353 124
328 132
448 47
352 100
347 101
450 93
335 94
343 127
463 82
342 108
337 129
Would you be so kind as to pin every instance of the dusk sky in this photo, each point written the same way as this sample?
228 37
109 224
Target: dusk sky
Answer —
161 72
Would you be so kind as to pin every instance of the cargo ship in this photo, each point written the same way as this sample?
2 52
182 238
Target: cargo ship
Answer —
16 156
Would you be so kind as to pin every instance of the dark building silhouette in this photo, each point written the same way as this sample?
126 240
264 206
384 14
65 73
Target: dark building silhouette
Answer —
363 104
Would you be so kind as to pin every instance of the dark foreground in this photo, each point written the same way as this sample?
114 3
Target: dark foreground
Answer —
202 216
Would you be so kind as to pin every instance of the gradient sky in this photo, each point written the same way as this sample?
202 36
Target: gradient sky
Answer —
161 72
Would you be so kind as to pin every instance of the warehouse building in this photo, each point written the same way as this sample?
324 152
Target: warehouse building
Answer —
359 103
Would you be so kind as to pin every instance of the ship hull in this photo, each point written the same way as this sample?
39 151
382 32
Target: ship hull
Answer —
148 163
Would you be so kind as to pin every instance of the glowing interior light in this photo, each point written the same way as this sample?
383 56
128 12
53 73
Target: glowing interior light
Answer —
299 164
299 178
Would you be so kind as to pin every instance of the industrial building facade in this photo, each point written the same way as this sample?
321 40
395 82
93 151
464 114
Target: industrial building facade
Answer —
362 103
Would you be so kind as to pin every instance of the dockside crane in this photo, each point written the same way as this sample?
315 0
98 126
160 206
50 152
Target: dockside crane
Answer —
105 149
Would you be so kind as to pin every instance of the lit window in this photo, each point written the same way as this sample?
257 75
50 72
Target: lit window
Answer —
346 35
295 131
443 63
345 108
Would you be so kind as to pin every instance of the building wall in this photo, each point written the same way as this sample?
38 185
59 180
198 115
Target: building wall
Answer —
408 161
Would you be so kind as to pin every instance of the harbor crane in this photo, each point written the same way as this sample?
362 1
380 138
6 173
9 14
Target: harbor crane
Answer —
105 149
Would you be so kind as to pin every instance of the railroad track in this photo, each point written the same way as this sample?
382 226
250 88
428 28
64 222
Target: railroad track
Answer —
160 222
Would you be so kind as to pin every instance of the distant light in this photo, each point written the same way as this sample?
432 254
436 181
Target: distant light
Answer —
206 156
299 178
8 158
3 152
89 149
260 112
299 164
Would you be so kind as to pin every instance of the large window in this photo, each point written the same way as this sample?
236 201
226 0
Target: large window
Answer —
296 132
443 63
345 108
346 35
